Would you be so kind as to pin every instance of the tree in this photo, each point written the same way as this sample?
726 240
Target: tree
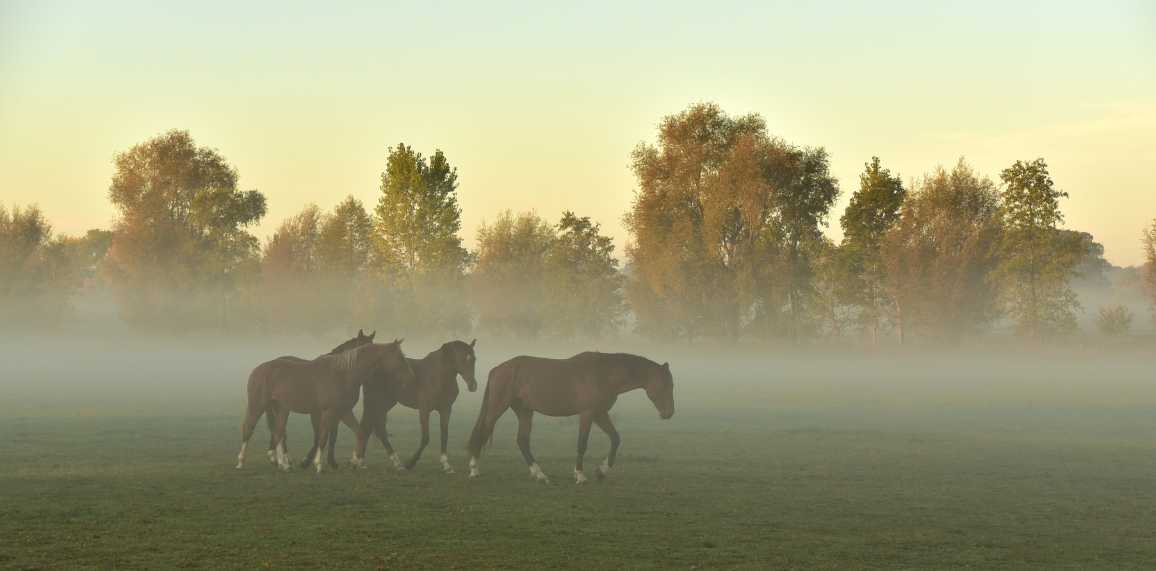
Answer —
418 218
1114 320
1037 260
874 209
1150 267
24 277
345 239
291 272
721 226
584 284
939 256
509 277
417 250
180 237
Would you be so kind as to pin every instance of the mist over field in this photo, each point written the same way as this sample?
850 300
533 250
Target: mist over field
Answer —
755 285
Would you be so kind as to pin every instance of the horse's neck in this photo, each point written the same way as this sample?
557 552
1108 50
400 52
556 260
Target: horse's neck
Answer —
435 365
629 377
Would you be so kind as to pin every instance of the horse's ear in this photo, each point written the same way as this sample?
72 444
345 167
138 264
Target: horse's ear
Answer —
666 366
398 341
472 343
360 334
371 336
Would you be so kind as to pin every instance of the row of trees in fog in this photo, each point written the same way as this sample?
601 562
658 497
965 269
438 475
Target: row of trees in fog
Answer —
726 241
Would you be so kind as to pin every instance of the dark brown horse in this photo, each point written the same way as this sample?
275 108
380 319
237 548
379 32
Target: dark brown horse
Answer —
586 385
436 389
350 420
328 386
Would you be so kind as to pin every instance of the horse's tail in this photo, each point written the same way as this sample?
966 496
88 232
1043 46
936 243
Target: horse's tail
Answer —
483 434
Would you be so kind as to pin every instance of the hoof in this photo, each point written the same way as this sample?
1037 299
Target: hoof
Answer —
579 477
239 466
448 470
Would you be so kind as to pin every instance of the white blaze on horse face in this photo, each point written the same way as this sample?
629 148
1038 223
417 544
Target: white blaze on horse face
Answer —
474 472
579 477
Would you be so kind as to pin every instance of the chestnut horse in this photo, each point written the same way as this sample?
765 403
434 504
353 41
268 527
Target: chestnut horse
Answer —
350 420
327 386
586 385
436 389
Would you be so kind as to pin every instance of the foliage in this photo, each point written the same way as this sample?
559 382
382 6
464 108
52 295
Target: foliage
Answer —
510 276
1150 265
1114 320
939 255
180 230
874 209
416 248
1037 260
585 286
721 227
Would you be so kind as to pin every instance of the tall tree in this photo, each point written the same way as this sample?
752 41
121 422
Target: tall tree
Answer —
722 225
181 228
1150 265
345 239
874 209
939 257
584 284
417 249
418 217
291 271
509 277
1037 260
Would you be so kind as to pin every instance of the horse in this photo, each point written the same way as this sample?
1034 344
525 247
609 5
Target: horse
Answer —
327 386
436 389
351 421
587 385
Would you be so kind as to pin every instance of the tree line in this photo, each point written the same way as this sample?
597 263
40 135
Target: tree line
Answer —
726 241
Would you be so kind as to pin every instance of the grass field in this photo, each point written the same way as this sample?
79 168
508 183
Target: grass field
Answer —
802 461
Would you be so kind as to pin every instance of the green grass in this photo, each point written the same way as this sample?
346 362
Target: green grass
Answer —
758 471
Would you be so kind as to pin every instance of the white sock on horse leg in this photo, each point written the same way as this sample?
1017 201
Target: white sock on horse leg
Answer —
393 457
241 456
474 472
579 477
446 467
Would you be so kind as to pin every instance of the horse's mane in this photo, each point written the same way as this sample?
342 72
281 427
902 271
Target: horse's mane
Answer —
346 361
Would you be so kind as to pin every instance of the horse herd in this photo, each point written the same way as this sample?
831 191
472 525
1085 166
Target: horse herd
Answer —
328 387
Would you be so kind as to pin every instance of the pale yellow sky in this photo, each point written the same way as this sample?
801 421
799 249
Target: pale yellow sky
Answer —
540 107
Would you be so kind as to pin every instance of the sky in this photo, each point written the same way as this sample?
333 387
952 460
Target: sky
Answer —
539 106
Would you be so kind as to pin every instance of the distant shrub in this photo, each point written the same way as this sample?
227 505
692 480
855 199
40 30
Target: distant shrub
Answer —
1114 320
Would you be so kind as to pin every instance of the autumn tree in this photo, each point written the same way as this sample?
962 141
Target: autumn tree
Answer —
1037 259
417 250
722 225
874 209
345 239
291 273
509 278
1149 242
939 256
180 239
584 284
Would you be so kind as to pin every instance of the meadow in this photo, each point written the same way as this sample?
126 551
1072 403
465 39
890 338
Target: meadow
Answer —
120 454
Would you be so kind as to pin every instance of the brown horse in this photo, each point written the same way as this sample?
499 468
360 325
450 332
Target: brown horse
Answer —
327 386
351 421
435 390
586 385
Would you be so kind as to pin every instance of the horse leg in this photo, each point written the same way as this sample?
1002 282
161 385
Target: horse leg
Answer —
583 440
251 417
603 422
493 407
271 423
315 419
444 422
383 436
350 420
423 418
333 446
525 423
279 429
327 424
